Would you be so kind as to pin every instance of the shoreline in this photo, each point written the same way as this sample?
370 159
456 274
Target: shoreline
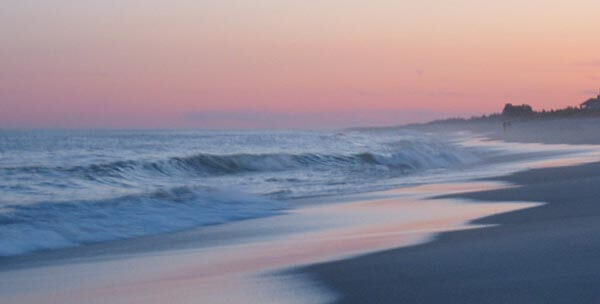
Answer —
547 254
251 268
572 131
180 262
204 236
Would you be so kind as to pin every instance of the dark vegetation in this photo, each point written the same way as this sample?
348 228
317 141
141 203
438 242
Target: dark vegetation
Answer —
589 108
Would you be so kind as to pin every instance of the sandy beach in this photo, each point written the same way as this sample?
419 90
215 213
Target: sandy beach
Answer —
547 254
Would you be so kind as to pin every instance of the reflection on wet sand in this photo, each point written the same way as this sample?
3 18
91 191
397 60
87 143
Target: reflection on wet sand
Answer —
249 270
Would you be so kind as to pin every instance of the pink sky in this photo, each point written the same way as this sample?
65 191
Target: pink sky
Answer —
278 63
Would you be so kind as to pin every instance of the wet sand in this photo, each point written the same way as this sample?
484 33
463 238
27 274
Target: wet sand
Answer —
548 254
245 266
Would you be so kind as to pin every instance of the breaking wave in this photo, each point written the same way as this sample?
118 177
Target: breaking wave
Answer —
212 164
87 188
48 225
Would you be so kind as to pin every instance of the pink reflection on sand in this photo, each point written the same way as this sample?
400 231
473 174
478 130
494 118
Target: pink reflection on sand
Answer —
241 273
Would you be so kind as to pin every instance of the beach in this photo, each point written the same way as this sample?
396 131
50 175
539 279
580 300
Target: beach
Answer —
299 152
249 259
547 254
520 228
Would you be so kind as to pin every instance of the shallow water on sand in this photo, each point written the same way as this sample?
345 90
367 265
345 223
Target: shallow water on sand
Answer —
243 271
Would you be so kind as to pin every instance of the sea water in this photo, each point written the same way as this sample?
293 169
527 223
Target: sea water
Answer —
62 188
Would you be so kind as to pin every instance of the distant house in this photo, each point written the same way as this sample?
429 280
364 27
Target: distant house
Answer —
592 104
517 110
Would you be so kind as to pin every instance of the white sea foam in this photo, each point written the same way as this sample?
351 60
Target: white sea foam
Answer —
66 188
47 225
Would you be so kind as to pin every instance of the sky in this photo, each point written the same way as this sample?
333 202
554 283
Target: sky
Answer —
288 63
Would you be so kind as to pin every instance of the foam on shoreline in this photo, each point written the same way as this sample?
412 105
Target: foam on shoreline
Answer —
253 265
404 217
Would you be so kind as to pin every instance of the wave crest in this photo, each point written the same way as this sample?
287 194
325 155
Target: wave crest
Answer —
213 164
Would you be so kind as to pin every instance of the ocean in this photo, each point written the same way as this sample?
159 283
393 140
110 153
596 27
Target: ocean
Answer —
63 188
